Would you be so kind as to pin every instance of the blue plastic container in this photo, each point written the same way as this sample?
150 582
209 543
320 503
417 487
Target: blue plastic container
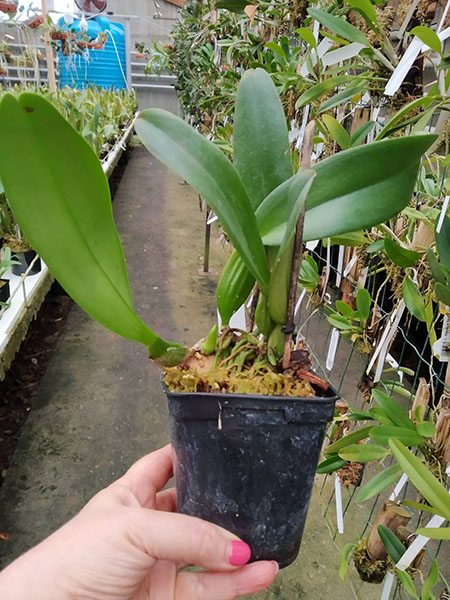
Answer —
106 67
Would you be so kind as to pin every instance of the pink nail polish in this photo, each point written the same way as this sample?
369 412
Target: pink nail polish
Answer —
239 554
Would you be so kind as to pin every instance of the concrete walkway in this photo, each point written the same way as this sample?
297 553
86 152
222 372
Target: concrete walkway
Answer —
100 406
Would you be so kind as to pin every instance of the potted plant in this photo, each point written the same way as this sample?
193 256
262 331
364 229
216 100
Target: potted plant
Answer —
248 415
7 260
24 255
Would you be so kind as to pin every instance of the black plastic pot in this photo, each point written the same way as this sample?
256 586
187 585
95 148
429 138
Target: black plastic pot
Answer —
247 463
4 290
26 258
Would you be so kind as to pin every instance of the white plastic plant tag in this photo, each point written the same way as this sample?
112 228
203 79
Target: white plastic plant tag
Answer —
212 220
299 302
238 320
444 14
338 496
334 341
398 488
394 364
349 267
388 333
341 54
387 587
301 134
340 263
407 60
312 245
441 347
443 213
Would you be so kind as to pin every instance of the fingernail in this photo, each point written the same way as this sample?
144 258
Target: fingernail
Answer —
276 566
239 554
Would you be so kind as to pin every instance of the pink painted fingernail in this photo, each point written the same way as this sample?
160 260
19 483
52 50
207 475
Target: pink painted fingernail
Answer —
239 554
276 566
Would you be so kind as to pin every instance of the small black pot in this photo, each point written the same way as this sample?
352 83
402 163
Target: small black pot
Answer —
248 463
4 291
26 258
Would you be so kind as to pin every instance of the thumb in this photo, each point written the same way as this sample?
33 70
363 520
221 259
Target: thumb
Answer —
184 540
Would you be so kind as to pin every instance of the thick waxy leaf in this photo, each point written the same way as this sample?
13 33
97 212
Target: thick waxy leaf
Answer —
210 173
343 557
281 270
413 299
405 435
442 293
400 256
430 581
363 303
436 270
351 438
339 26
62 204
393 545
351 91
428 37
234 5
319 89
401 114
422 507
361 133
407 582
396 414
336 131
380 186
363 452
379 482
367 11
331 464
262 154
419 475
435 533
443 242
234 287
427 429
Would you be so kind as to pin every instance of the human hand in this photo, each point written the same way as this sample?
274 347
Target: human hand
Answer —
128 544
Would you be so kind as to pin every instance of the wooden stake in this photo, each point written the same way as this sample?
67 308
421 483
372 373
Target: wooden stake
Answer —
49 52
297 251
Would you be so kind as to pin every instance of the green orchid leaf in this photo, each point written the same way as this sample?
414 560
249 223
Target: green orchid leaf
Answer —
401 114
393 411
210 173
435 533
331 464
381 184
351 239
262 154
307 35
363 304
430 581
442 293
407 583
363 453
67 218
402 257
367 10
343 558
419 475
359 415
339 26
422 507
236 6
407 436
413 299
345 310
278 293
379 482
339 322
393 545
361 133
428 37
435 268
348 440
308 277
336 131
376 246
426 429
342 97
443 242
234 287
319 89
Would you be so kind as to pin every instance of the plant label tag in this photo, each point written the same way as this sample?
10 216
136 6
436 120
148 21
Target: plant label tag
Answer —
334 341
441 347
339 513
340 264
349 267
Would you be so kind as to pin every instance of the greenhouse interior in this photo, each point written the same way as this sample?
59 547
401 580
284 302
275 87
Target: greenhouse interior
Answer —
224 299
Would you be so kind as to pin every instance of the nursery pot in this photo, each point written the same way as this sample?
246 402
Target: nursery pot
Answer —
4 290
248 462
26 258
